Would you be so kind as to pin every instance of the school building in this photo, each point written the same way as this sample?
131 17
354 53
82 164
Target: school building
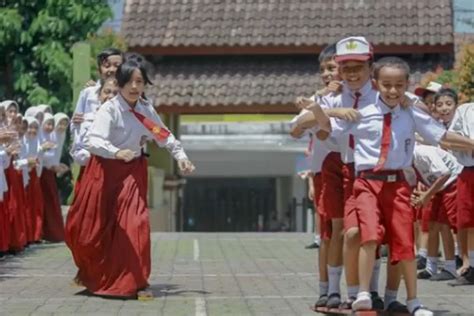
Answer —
227 73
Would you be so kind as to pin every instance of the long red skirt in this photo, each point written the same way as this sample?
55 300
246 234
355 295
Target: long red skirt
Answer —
34 198
4 227
15 202
53 224
107 227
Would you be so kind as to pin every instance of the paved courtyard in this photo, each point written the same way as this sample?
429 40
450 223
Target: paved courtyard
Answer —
196 274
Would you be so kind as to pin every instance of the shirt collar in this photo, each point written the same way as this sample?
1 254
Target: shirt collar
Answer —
123 105
365 90
385 108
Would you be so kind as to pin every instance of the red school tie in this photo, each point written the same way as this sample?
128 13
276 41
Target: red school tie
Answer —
386 138
355 106
158 132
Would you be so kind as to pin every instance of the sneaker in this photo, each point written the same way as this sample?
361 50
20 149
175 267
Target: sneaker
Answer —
314 245
467 278
443 275
334 301
421 263
422 311
397 308
458 262
348 303
362 303
377 302
322 301
424 275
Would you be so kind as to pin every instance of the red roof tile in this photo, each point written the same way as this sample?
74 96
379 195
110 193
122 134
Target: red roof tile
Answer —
177 23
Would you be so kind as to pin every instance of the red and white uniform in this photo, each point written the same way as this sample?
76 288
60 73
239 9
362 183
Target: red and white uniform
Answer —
109 217
383 197
463 124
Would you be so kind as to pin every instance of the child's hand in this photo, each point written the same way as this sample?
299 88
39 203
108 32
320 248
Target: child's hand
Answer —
47 145
186 166
346 114
334 87
77 118
32 162
89 83
303 103
322 134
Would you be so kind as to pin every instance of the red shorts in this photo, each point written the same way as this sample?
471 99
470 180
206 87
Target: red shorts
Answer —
350 209
324 223
383 210
443 206
332 196
423 215
465 198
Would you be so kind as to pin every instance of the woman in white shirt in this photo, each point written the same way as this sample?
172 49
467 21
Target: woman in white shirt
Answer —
109 217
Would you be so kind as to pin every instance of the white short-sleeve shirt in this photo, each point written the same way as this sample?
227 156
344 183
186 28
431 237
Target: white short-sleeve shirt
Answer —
463 124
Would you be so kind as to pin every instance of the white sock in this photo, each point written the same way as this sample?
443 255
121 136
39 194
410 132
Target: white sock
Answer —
374 281
450 266
389 297
456 249
323 288
413 304
423 252
432 265
317 238
471 258
334 274
352 291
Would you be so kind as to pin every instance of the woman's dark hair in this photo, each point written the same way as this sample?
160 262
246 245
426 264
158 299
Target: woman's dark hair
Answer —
394 62
106 53
125 71
448 93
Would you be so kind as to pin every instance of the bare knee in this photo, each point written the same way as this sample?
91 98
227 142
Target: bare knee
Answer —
352 236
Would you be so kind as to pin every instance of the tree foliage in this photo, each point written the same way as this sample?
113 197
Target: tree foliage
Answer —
35 47
465 70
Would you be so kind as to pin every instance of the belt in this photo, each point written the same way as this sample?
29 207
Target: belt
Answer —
385 175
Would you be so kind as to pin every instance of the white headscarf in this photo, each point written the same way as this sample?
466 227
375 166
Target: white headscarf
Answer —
33 144
46 136
45 108
59 138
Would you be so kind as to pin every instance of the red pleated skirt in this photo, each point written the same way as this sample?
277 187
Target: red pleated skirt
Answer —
107 227
4 227
53 224
34 198
14 200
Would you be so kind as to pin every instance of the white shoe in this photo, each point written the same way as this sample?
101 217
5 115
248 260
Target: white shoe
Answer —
363 302
422 311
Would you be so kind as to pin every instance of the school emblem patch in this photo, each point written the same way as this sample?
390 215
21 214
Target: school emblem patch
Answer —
351 45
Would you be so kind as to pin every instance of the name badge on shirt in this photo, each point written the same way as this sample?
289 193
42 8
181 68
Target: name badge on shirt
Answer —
407 145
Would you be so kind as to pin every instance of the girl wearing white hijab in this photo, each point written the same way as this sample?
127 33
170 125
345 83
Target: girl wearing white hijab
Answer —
53 226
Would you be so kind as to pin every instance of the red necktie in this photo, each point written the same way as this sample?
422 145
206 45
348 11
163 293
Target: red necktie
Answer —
158 132
355 106
386 138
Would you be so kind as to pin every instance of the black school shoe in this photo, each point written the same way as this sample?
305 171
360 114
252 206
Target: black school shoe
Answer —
443 275
377 302
334 301
421 263
314 245
467 278
397 307
424 275
348 303
322 301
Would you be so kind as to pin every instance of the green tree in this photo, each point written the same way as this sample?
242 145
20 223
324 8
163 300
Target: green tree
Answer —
35 42
465 69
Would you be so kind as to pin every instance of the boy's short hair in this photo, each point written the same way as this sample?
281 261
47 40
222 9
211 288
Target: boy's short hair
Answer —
106 53
329 52
394 62
448 93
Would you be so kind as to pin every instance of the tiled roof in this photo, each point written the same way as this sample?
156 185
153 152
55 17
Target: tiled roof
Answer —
178 23
263 80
